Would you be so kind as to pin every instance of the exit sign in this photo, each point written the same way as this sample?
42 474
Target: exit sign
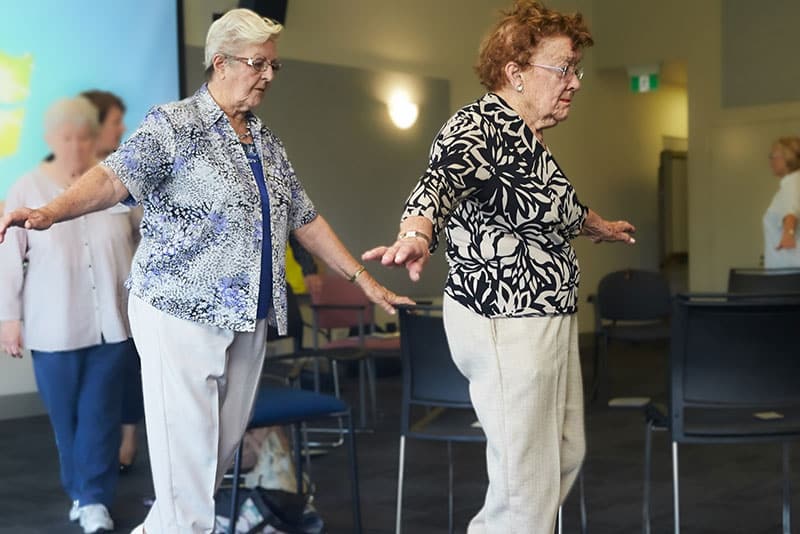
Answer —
644 83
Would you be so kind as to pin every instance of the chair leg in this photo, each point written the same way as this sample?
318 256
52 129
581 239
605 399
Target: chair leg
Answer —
675 493
362 400
356 496
237 468
595 367
648 445
582 495
371 379
450 487
559 522
298 457
787 491
600 379
400 476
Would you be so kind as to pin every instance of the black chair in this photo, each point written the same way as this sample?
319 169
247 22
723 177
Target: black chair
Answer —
734 379
631 305
436 403
432 382
763 281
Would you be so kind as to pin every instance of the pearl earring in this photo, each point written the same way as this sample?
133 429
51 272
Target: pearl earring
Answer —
519 88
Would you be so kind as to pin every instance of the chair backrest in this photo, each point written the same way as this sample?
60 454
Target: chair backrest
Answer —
633 295
763 281
731 354
430 377
354 306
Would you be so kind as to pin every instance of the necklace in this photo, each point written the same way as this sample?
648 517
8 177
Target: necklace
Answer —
245 135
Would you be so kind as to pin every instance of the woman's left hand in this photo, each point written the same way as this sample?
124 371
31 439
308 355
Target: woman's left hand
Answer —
598 229
787 241
380 295
615 231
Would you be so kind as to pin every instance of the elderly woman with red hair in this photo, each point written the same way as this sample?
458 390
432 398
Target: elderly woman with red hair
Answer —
509 212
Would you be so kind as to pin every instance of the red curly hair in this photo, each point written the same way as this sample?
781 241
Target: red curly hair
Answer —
519 32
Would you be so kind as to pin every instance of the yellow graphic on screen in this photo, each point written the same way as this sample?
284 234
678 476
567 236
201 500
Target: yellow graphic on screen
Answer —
15 81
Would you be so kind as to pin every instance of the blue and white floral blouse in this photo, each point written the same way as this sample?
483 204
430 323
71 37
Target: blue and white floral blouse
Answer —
509 213
200 254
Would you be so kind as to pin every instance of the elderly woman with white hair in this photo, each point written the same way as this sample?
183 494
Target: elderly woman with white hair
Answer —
67 306
220 198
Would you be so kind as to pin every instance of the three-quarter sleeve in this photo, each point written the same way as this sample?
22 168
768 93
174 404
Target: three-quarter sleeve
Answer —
460 163
793 196
147 157
12 258
573 214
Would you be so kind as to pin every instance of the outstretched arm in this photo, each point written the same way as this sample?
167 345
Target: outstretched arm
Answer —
318 237
598 229
410 249
97 189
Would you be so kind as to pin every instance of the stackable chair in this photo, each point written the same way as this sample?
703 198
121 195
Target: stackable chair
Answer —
341 304
282 405
434 386
734 379
631 305
763 281
436 405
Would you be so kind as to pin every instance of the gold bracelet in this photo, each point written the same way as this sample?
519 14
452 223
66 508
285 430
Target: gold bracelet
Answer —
414 233
356 274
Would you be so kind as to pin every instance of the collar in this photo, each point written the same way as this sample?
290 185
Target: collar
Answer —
211 114
508 119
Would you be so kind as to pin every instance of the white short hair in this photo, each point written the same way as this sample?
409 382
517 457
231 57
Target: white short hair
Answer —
237 29
77 110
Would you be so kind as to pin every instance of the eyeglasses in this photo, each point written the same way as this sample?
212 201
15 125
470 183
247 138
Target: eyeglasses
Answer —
259 64
565 71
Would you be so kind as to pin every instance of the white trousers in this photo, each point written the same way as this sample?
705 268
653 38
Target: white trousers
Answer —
525 385
199 383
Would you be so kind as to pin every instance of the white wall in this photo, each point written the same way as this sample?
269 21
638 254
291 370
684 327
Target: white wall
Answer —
609 146
729 178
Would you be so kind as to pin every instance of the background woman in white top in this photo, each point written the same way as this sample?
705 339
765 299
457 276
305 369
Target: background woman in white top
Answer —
780 219
111 114
64 299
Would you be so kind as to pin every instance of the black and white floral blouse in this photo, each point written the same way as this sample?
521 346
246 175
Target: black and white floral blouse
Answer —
200 254
508 212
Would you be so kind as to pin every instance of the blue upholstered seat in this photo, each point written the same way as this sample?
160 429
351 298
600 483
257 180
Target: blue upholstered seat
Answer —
275 406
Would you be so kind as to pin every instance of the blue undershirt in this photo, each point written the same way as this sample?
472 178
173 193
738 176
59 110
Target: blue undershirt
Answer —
265 283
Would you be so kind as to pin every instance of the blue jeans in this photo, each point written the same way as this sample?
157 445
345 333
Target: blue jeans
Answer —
132 402
82 391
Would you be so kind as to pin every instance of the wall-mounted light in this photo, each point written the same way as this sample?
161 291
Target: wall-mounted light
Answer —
402 110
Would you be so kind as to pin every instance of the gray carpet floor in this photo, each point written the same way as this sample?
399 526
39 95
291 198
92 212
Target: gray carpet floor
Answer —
724 488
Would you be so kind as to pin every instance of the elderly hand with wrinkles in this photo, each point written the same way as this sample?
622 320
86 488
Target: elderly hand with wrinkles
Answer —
409 250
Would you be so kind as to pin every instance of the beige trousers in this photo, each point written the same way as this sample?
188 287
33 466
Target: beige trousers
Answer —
199 383
525 384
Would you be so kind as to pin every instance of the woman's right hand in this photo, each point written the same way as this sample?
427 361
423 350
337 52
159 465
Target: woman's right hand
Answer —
11 337
410 252
32 219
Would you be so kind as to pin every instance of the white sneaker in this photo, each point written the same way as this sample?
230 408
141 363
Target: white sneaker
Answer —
95 519
75 512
